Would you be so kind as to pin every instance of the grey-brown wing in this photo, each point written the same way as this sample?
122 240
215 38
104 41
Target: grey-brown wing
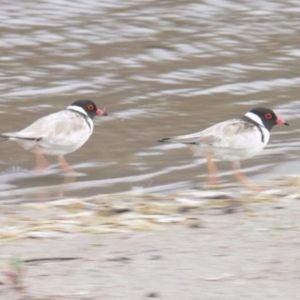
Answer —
233 133
53 127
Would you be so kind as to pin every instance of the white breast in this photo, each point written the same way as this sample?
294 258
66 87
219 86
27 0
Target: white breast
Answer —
58 134
231 140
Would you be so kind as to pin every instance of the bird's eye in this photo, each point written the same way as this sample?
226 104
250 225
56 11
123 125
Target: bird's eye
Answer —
268 116
90 107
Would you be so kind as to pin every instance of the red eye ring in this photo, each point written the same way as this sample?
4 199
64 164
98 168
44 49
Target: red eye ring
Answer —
90 107
268 116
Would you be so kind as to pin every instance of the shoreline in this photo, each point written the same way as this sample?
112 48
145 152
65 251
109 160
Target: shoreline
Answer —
208 244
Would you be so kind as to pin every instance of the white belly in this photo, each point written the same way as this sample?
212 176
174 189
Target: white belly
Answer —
240 148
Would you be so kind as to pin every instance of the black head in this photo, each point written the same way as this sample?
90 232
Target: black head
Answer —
268 117
89 107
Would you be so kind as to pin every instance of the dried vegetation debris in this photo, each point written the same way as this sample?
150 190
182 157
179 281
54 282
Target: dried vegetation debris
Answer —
131 211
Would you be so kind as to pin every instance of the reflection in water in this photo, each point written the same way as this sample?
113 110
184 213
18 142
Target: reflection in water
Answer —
161 68
41 193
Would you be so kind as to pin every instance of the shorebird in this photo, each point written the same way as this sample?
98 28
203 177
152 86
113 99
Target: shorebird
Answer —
58 134
232 140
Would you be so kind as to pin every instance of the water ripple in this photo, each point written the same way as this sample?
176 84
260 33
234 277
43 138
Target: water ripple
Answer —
160 68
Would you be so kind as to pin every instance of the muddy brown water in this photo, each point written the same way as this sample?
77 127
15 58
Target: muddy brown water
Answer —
160 68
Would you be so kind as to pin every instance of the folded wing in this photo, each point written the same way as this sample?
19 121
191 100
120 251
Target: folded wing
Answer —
235 134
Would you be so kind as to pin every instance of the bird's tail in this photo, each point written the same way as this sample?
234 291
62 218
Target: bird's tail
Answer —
174 139
5 137
165 140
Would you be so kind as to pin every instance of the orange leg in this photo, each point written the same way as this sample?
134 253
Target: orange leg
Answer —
243 178
41 161
213 176
65 166
71 174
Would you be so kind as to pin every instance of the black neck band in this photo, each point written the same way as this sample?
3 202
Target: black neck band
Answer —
249 120
83 115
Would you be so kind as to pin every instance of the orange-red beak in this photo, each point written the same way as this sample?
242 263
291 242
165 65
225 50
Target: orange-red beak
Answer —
280 121
101 112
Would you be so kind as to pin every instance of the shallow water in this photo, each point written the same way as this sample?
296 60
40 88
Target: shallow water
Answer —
160 68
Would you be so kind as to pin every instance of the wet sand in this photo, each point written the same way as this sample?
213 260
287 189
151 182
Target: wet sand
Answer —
216 244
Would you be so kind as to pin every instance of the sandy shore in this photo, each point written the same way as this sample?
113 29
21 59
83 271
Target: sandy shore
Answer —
230 249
